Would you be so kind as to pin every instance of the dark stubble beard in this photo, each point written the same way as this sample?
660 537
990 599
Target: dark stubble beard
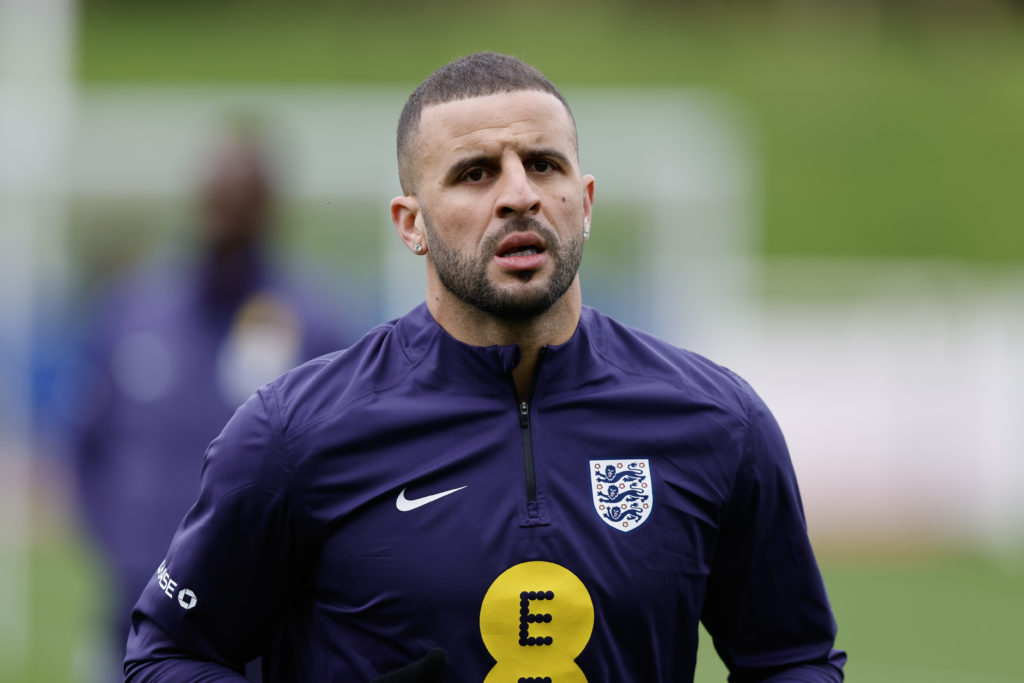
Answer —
465 275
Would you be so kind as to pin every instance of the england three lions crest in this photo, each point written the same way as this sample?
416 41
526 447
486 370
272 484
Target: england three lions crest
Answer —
622 492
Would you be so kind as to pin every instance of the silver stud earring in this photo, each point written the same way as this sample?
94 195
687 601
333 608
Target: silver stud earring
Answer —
418 248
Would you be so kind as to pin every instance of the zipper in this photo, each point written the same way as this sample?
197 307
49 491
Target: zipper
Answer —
529 471
533 513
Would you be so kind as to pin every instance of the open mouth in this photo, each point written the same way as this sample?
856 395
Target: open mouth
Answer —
521 251
520 244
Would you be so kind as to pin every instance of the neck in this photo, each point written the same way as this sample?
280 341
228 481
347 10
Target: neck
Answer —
473 326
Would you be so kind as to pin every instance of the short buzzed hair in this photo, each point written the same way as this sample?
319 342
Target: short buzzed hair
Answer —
479 74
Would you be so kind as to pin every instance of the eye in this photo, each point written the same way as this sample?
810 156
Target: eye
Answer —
542 166
474 175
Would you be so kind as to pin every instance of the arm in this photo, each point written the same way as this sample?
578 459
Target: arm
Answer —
766 607
166 661
219 596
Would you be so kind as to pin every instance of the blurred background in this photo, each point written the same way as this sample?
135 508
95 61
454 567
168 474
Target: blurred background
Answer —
823 196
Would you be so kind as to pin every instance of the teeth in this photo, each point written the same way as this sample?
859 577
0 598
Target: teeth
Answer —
524 251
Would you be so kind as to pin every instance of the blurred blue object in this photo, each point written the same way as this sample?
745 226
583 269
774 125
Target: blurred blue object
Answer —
171 348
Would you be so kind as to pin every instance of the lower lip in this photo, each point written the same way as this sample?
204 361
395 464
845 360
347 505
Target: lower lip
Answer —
526 262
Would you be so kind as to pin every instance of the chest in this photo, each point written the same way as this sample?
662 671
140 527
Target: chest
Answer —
477 511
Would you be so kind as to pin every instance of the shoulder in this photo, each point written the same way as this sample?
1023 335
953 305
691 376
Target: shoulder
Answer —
324 387
278 423
689 378
685 398
651 359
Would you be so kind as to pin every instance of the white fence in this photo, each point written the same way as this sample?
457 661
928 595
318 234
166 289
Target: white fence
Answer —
901 399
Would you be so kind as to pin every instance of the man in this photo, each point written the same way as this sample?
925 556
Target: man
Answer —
502 485
173 348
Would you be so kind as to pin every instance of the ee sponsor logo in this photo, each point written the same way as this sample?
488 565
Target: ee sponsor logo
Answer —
535 619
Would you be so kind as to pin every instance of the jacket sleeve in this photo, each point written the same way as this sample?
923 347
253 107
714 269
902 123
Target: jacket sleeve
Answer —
218 598
766 607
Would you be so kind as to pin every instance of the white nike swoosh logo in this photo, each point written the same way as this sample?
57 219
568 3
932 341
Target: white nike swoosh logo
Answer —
404 504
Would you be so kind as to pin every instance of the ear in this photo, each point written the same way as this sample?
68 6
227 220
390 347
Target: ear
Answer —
588 203
405 212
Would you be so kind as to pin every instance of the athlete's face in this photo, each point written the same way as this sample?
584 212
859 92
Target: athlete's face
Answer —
500 204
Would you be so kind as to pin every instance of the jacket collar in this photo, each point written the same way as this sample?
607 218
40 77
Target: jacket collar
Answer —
421 337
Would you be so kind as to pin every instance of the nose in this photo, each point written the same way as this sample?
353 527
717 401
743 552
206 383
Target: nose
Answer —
517 192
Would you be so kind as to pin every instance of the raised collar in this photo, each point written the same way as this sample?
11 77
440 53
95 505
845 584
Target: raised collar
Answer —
421 336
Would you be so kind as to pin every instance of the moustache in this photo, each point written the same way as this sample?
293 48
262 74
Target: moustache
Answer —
521 224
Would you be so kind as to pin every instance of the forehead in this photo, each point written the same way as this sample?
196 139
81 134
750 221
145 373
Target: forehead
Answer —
488 124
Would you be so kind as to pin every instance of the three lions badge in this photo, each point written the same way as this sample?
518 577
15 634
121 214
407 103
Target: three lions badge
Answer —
622 492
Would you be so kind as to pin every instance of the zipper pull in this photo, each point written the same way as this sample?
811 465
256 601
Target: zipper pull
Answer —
524 414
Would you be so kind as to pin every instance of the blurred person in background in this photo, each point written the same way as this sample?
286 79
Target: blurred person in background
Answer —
172 349
503 484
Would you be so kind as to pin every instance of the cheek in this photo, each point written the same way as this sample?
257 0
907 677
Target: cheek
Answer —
462 223
568 213
567 197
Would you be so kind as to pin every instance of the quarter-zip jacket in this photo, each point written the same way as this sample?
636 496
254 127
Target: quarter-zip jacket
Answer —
575 537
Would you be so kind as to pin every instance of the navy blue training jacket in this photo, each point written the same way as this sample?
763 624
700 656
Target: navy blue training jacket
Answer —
397 496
